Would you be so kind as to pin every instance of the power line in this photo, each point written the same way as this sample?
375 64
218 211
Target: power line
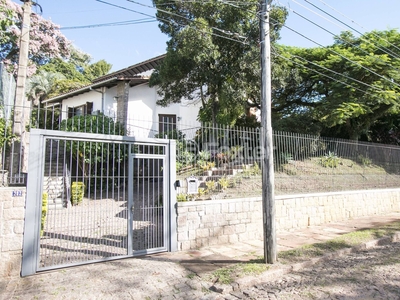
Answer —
387 51
339 38
334 72
179 16
130 22
325 75
341 55
168 21
393 45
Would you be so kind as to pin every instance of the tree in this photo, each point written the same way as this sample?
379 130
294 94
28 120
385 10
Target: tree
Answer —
41 85
46 40
90 156
212 55
344 88
77 71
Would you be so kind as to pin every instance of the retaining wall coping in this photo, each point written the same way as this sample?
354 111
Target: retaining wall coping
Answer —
285 197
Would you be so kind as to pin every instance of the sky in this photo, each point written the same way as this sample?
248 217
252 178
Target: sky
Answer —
125 45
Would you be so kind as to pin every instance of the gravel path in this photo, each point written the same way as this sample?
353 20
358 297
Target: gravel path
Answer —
372 273
369 274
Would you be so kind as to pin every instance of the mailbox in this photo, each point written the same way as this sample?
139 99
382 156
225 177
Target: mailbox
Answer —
192 185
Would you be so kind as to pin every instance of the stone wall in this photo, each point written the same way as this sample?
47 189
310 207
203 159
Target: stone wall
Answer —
12 214
206 223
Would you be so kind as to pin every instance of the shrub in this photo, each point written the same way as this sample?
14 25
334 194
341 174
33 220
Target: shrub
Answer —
210 186
44 212
330 160
365 161
77 192
223 183
181 197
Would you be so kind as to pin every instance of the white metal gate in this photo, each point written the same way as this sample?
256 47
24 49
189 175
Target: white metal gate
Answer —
93 198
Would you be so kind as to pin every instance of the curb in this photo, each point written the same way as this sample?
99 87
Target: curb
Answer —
274 273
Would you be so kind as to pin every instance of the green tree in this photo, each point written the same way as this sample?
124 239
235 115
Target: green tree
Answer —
362 88
46 40
77 72
90 156
212 56
41 85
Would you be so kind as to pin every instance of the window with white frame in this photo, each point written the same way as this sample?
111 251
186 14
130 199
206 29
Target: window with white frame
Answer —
81 110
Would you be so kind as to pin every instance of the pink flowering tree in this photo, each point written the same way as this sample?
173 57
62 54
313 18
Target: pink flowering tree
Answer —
46 39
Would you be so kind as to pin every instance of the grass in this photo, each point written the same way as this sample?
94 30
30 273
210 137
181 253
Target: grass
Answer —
347 240
227 275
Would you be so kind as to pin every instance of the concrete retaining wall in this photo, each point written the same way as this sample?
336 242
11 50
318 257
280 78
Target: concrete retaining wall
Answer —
206 223
12 214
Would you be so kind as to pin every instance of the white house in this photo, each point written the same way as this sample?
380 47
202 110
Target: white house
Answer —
126 95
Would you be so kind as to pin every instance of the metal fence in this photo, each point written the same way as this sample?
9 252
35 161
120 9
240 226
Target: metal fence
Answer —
226 161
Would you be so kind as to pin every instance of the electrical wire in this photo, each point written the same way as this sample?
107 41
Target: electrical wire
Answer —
339 38
130 22
168 21
393 45
334 72
337 53
387 51
325 75
185 18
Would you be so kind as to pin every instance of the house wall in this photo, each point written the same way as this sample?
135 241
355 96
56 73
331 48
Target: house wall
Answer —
206 223
143 111
142 117
79 100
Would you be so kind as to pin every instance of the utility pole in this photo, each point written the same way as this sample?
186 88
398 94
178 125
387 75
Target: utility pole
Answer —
268 197
21 105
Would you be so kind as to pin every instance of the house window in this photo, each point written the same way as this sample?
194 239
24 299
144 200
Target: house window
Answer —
166 123
82 110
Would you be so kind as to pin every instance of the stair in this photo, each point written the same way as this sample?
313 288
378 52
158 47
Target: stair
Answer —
53 181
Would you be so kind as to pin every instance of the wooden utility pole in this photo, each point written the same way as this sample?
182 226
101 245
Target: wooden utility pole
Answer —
268 199
21 105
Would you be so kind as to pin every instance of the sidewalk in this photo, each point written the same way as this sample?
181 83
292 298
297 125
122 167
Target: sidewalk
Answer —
167 275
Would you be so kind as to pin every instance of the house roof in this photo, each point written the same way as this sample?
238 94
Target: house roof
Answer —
127 74
132 71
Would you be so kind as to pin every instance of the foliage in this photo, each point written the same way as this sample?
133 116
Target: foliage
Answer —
181 197
210 186
213 57
47 118
365 161
77 71
89 155
77 192
201 191
44 212
6 135
254 170
62 67
45 38
204 155
330 160
206 165
285 157
223 183
310 97
41 85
